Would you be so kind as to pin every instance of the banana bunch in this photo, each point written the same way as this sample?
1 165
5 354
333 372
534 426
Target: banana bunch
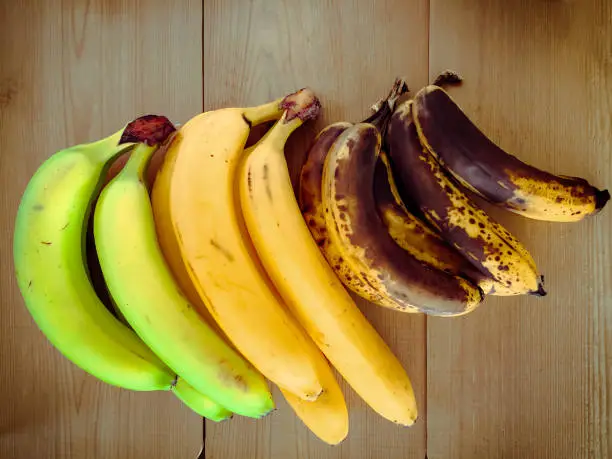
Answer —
305 282
203 234
173 285
375 245
54 277
386 202
207 277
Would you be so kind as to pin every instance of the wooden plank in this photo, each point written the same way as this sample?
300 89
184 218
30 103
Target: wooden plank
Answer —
73 71
529 377
349 53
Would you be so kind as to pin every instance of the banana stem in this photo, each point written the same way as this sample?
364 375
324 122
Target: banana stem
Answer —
139 161
448 78
263 113
104 150
384 108
302 104
280 132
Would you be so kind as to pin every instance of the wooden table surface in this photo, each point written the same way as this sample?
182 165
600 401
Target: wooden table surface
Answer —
518 378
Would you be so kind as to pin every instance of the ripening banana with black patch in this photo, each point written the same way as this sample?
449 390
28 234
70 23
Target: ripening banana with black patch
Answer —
484 242
313 210
416 237
353 224
311 204
412 234
501 178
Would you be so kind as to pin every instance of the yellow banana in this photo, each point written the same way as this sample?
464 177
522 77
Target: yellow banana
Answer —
307 283
327 416
202 235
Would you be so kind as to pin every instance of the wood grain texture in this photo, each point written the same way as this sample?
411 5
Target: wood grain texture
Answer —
349 53
528 377
74 71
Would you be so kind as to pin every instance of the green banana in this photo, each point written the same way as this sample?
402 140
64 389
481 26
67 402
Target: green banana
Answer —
199 403
52 275
144 289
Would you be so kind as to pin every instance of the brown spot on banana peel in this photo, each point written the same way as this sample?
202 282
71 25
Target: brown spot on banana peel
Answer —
313 209
419 175
265 178
222 250
311 176
482 166
411 283
414 235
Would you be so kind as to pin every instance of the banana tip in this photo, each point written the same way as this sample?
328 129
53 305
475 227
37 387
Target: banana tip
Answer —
408 422
540 291
601 199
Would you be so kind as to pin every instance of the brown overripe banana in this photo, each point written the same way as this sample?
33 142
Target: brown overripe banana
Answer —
483 241
501 178
314 214
367 248
414 235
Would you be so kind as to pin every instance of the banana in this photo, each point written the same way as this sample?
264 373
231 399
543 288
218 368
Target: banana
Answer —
484 242
327 416
198 403
311 205
143 288
204 240
352 220
407 230
484 168
412 234
313 211
374 267
307 283
52 275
